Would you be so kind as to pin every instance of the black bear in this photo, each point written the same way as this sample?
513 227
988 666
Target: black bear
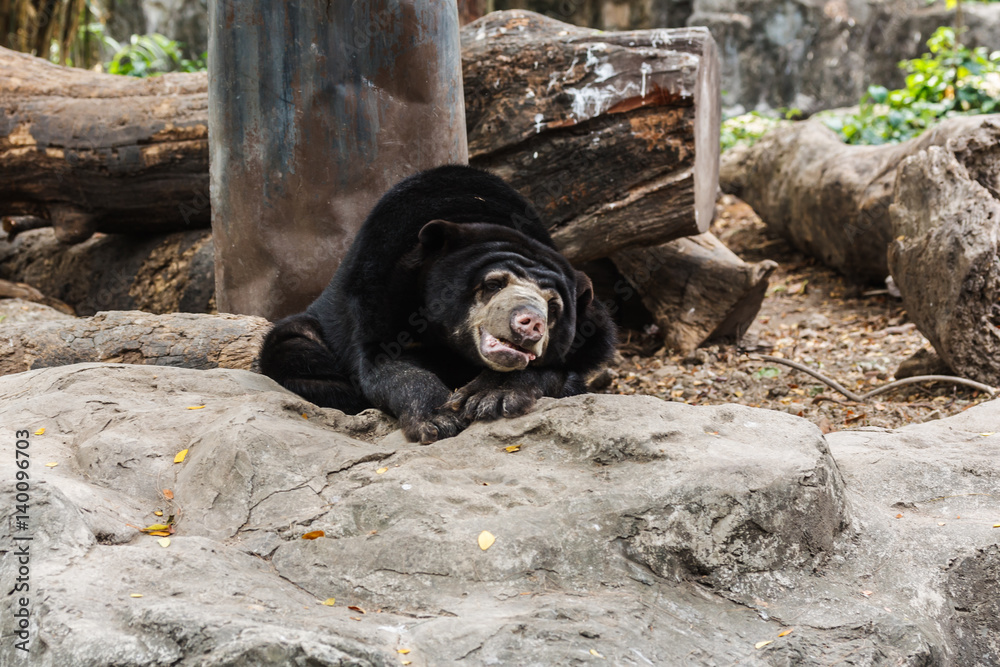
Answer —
452 282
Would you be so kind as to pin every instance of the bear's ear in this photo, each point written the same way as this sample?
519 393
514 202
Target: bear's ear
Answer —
436 233
584 291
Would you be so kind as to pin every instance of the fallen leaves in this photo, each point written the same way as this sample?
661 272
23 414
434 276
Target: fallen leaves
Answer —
168 494
164 542
510 449
594 653
812 316
179 458
785 632
40 431
51 464
195 407
313 534
486 540
760 645
329 602
381 471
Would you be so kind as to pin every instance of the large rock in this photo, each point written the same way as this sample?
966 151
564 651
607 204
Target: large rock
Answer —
642 531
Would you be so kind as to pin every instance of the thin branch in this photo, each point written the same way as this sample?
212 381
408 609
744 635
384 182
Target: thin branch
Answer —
860 398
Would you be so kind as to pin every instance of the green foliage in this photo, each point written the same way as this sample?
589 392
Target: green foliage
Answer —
950 80
149 55
766 372
745 129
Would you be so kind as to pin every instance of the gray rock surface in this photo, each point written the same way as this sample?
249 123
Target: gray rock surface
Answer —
628 530
20 311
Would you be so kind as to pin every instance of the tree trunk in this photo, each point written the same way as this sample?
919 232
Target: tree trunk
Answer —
159 274
94 152
696 288
944 259
132 337
613 136
316 109
828 199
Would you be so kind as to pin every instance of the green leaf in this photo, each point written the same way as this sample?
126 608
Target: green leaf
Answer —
766 372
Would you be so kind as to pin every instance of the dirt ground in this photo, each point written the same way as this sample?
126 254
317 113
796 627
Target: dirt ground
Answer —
856 335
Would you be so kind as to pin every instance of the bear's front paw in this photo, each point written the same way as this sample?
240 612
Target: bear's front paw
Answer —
426 429
476 402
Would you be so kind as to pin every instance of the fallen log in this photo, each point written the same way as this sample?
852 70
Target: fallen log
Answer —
132 337
159 274
89 152
944 259
696 289
613 136
828 199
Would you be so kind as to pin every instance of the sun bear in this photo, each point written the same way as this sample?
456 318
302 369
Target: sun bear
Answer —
452 305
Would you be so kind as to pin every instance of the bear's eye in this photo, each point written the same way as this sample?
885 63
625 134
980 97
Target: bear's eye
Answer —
553 310
492 286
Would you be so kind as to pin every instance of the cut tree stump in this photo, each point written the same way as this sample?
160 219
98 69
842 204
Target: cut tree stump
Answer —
828 199
696 289
133 337
613 136
163 273
944 259
89 152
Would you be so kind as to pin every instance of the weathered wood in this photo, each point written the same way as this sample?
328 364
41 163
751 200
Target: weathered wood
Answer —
696 288
160 274
944 259
316 109
94 152
133 337
828 199
613 136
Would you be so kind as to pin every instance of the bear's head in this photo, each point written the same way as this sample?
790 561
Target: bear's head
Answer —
502 299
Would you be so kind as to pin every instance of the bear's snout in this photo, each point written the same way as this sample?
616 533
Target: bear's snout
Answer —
527 324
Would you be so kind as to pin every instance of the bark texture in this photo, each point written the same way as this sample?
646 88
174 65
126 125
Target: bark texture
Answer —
946 224
828 199
696 288
613 136
182 339
160 274
92 152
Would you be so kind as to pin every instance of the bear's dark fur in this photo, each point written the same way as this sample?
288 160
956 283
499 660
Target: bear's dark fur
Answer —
452 305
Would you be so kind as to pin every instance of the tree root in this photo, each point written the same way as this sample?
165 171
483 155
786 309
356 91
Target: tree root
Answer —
861 398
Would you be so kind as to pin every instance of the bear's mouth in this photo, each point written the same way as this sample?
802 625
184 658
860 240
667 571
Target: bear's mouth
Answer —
501 354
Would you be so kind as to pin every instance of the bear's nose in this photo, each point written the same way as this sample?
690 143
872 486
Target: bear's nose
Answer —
528 324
